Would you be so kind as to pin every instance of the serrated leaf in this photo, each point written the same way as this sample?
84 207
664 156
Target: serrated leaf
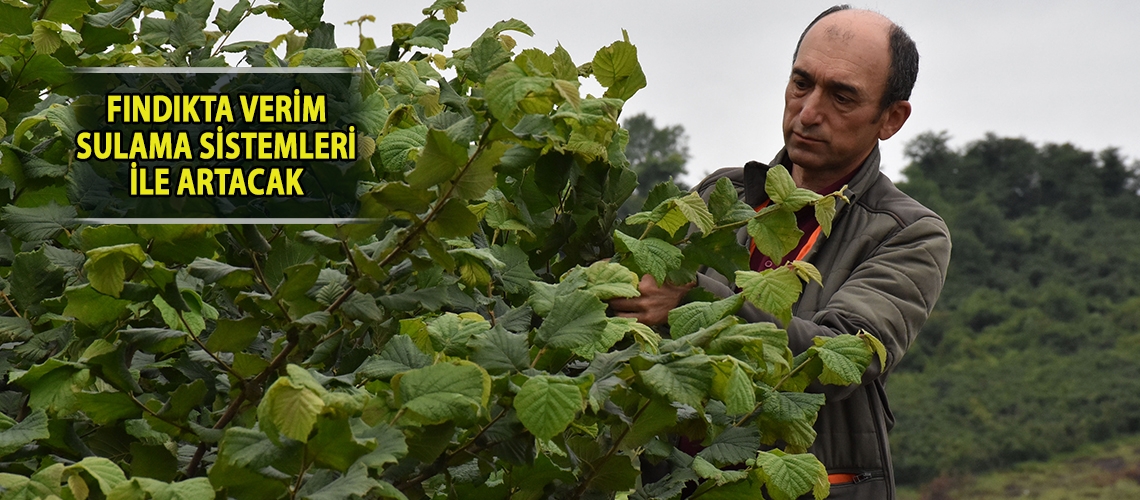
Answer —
546 405
733 446
844 357
227 20
454 220
399 355
38 223
825 213
32 428
65 11
517 274
107 475
779 184
233 335
718 250
440 160
653 256
14 329
607 280
789 416
685 380
509 85
876 347
289 408
617 69
615 330
695 210
396 147
106 408
212 271
443 392
354 483
93 308
53 385
302 14
725 204
104 266
775 233
807 272
499 351
480 175
789 476
694 316
45 36
734 387
451 332
774 291
579 318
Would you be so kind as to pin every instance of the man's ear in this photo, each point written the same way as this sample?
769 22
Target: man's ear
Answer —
893 119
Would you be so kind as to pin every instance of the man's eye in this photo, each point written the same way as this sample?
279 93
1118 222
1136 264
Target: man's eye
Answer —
842 99
800 84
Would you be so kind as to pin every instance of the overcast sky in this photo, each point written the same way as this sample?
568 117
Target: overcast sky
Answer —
1046 70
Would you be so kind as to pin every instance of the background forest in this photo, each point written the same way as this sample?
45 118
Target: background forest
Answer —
1031 350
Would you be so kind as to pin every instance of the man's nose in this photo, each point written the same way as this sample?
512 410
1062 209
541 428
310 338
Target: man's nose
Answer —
811 113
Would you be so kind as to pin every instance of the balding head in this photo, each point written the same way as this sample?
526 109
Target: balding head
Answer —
843 23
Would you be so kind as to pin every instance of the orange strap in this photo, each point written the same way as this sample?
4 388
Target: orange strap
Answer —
803 251
840 478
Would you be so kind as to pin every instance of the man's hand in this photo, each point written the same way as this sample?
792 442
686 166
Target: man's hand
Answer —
653 306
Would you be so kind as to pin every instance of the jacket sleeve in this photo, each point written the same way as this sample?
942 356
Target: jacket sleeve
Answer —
889 295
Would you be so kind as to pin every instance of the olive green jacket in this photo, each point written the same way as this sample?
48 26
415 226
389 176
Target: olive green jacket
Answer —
883 268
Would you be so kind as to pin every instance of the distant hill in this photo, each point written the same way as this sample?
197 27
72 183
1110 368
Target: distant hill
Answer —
1034 346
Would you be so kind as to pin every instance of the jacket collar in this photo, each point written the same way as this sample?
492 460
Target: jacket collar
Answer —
755 174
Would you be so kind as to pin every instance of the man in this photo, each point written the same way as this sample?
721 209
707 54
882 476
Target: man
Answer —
885 261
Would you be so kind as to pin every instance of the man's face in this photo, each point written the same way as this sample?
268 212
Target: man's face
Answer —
832 117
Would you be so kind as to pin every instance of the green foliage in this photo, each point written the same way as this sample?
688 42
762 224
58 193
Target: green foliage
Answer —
459 344
1039 301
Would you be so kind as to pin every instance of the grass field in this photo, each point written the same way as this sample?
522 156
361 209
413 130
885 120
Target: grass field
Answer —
1104 471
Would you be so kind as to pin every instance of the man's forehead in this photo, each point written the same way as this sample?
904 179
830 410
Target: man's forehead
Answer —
858 38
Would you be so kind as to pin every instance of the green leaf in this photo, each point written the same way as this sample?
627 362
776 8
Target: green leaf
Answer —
354 483
694 316
789 476
718 250
334 445
799 198
779 184
789 416
45 36
733 446
487 54
734 387
696 211
154 340
198 488
395 148
32 428
509 88
876 347
104 266
443 392
53 385
684 380
233 335
579 318
807 272
725 204
775 233
440 160
615 330
546 404
65 11
290 407
825 213
511 24
227 20
480 176
454 220
212 271
105 408
607 280
14 329
499 351
774 291
617 69
303 15
517 274
844 357
93 308
38 223
399 355
390 445
451 332
107 475
651 255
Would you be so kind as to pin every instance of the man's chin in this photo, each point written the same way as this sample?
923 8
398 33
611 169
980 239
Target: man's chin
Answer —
807 158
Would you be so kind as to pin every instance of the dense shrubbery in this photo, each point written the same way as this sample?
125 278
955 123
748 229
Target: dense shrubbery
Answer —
1031 349
458 346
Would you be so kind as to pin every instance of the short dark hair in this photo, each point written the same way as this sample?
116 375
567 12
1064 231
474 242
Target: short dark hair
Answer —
903 69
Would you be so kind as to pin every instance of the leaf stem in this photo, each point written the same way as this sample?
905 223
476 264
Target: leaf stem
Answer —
10 305
597 465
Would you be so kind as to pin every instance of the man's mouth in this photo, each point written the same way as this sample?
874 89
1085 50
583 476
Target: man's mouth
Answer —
804 138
